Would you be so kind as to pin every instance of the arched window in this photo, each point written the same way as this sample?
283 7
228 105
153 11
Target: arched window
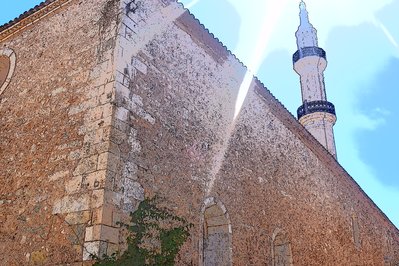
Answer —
281 249
7 66
216 241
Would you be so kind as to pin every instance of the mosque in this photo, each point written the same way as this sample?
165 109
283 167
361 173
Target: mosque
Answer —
105 104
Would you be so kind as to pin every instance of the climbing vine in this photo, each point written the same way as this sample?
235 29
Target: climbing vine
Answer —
156 236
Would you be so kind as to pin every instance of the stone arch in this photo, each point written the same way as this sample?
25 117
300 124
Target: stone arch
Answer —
281 249
7 66
216 234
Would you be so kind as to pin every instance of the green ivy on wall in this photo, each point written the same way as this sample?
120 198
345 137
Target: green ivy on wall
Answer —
156 236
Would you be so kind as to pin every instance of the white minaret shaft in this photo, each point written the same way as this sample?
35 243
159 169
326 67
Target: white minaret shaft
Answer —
316 114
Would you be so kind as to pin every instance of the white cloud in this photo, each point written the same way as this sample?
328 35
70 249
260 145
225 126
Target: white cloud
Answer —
382 111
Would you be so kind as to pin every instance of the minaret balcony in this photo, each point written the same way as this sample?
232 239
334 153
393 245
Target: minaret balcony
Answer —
315 106
308 51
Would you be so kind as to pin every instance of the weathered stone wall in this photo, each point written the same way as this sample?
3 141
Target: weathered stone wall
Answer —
112 101
55 118
183 142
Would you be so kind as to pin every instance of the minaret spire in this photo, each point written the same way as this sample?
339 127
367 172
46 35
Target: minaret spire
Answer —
306 34
316 114
303 13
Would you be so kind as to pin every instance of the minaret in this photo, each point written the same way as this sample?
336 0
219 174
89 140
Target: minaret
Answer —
316 114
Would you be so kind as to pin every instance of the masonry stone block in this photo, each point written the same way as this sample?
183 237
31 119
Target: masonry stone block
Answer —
130 23
106 98
133 189
102 161
122 90
121 126
96 248
104 215
74 185
110 234
81 217
130 170
122 78
140 66
73 203
58 175
97 198
117 136
113 249
102 232
114 198
86 165
121 113
75 155
97 180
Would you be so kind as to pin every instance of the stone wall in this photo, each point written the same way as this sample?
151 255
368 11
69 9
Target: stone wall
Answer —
113 101
188 141
55 123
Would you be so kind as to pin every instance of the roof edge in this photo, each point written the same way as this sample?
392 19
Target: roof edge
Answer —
212 36
292 124
29 17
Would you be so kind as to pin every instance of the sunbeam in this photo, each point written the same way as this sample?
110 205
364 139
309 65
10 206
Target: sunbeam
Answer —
269 24
255 62
386 32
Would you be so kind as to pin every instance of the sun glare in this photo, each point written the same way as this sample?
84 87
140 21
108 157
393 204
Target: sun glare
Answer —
269 24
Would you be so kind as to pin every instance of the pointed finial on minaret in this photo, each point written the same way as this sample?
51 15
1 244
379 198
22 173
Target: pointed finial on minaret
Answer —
303 13
306 34
302 5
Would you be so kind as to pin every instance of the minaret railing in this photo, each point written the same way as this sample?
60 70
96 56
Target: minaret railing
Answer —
308 51
315 106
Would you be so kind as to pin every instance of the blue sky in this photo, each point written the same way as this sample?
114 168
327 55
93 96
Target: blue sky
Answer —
362 78
12 9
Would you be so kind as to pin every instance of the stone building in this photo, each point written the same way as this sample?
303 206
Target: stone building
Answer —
106 102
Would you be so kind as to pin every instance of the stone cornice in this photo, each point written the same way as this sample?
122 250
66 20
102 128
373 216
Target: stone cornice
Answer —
29 17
